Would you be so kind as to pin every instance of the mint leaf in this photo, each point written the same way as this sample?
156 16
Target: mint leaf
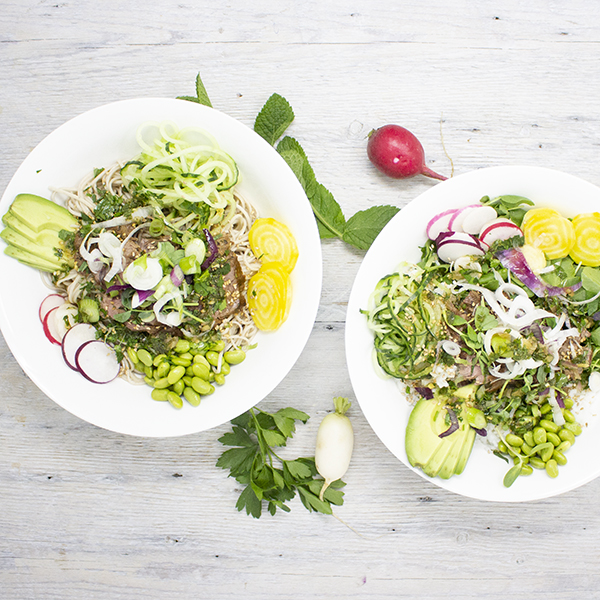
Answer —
201 92
274 118
201 95
364 226
327 211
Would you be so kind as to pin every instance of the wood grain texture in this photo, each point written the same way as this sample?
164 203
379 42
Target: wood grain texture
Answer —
86 513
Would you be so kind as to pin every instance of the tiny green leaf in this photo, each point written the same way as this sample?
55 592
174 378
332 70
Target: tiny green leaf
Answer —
512 474
274 118
201 95
297 469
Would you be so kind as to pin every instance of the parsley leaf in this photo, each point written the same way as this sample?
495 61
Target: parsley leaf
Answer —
274 118
266 477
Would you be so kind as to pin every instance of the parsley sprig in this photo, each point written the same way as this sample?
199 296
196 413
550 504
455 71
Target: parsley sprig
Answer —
268 478
361 229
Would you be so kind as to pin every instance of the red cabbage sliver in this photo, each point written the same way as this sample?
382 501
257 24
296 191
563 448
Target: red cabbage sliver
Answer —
425 392
213 251
514 260
453 423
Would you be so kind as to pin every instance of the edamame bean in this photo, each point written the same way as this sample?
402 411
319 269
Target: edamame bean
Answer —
564 446
199 358
162 383
158 359
145 357
132 354
546 452
218 346
149 381
569 416
225 368
567 436
212 357
187 380
559 457
149 371
179 361
528 437
514 440
201 386
162 369
526 448
553 439
540 435
568 402
178 387
159 395
549 425
187 356
502 447
175 374
552 468
536 462
234 357
526 470
219 379
182 346
574 428
174 400
191 396
201 370
545 409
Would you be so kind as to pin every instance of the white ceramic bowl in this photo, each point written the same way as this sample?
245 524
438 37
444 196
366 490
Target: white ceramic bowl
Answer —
96 139
382 401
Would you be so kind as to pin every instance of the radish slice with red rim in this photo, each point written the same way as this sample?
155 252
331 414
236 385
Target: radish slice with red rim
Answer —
48 325
48 303
59 320
439 224
73 340
499 229
457 245
477 217
97 361
456 223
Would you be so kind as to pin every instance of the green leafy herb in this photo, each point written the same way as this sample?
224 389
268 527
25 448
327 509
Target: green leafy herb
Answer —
201 94
267 477
361 229
274 118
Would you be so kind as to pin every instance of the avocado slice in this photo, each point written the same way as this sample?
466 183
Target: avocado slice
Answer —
46 237
14 238
465 451
440 456
32 260
461 436
421 440
39 213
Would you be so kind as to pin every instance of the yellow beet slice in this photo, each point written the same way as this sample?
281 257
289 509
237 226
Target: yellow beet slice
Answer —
269 296
271 240
586 249
548 230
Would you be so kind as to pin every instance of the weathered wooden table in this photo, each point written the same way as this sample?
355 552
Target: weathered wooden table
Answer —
86 513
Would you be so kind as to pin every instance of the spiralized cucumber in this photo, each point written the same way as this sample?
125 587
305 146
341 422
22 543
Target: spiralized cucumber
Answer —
181 165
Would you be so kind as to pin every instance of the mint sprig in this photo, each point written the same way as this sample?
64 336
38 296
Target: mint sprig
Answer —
201 94
363 227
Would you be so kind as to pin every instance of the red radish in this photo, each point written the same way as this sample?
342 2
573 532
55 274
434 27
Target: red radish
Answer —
499 229
78 335
58 320
458 244
97 362
396 152
477 217
48 303
440 224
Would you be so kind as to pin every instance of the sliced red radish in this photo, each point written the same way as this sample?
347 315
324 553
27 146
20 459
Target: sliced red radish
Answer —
459 216
457 245
48 303
499 229
97 361
58 321
439 224
477 217
78 335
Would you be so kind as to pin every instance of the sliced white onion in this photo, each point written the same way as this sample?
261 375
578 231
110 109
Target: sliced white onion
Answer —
450 347
594 382
143 277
